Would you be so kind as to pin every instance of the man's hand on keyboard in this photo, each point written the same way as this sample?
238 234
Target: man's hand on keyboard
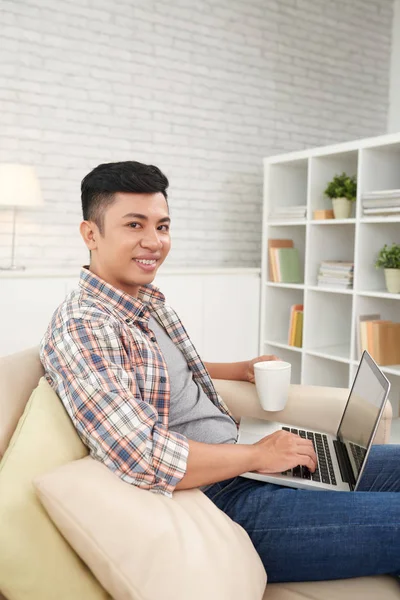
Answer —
282 450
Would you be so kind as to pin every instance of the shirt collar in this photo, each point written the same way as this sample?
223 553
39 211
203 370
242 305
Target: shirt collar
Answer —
134 308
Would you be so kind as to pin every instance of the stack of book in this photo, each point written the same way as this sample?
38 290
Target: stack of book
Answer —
381 204
284 262
336 274
296 326
288 213
380 338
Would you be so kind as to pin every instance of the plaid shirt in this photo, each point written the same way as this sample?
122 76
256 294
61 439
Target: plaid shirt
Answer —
107 368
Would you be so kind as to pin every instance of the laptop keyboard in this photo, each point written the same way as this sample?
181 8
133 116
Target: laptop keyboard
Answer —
324 471
358 454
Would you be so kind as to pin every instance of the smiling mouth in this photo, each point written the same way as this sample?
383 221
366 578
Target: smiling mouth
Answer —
146 265
145 262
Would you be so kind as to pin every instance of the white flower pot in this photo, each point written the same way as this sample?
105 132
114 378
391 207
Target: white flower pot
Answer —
392 277
341 208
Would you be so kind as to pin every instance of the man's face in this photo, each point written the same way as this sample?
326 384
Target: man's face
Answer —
127 237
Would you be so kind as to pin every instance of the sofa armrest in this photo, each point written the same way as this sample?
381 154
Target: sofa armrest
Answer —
309 406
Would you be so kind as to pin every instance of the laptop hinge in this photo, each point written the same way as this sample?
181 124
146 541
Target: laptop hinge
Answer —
346 470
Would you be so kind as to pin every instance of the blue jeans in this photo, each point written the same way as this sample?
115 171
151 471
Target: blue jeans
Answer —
304 535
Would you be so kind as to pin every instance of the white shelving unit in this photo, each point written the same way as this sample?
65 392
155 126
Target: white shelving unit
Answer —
329 353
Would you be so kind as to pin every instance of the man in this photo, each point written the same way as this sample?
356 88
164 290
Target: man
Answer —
143 401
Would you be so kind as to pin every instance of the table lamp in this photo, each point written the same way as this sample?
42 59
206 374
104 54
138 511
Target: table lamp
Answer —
19 187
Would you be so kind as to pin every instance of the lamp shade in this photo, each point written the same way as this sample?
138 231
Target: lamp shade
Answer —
19 186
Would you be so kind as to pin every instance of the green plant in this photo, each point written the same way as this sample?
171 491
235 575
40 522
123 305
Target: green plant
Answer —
342 186
389 257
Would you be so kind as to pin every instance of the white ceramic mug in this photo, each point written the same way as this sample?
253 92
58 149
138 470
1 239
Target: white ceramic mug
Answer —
272 379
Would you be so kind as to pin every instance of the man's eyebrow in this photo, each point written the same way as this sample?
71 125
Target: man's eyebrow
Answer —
139 216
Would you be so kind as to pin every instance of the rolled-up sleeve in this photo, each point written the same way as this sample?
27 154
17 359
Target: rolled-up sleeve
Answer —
92 372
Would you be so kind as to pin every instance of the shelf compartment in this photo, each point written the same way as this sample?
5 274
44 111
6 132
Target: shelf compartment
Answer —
381 168
287 184
329 243
294 358
321 371
327 329
298 235
277 318
387 308
282 344
322 171
372 237
338 352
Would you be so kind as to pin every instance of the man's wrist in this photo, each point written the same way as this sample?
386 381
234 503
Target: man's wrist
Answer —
235 371
254 458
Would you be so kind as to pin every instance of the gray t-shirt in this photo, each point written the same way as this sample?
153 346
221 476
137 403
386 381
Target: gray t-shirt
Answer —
191 412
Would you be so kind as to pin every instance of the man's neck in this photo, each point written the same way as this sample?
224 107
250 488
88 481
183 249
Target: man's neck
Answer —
130 290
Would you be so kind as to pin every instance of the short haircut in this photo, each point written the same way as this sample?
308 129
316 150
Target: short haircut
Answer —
99 186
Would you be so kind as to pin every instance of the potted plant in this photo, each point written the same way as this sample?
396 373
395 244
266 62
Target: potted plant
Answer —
343 192
389 259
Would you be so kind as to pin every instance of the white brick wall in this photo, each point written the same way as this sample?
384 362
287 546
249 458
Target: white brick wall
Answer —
202 89
394 78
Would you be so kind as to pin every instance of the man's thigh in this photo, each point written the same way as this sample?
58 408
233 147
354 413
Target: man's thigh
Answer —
382 471
305 535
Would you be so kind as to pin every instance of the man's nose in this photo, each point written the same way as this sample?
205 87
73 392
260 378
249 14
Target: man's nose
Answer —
151 239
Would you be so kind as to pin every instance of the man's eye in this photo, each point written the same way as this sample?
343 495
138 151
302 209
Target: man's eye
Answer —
132 225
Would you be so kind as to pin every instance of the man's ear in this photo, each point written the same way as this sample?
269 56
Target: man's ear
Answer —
90 234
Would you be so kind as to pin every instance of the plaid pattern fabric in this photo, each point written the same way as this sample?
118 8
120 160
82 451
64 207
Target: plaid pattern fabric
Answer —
107 368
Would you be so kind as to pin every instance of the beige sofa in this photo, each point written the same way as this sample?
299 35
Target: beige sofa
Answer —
316 407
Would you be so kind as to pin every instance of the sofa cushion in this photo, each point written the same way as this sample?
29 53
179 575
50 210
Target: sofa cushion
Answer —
144 546
19 375
36 563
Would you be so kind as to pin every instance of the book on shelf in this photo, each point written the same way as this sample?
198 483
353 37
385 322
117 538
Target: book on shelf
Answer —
375 204
335 283
381 203
381 195
361 337
276 243
298 336
288 212
295 337
285 265
386 342
381 338
336 274
341 265
382 210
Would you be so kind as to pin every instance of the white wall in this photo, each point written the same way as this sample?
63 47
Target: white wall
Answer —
218 307
394 89
202 89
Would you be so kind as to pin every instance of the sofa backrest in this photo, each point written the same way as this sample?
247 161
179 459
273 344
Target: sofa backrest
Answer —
19 375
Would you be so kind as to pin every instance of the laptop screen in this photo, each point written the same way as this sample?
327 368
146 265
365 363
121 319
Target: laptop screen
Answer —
364 406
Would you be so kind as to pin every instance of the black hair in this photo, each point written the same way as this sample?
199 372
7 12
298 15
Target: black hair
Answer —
99 186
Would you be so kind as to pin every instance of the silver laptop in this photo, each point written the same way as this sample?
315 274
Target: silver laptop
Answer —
341 458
